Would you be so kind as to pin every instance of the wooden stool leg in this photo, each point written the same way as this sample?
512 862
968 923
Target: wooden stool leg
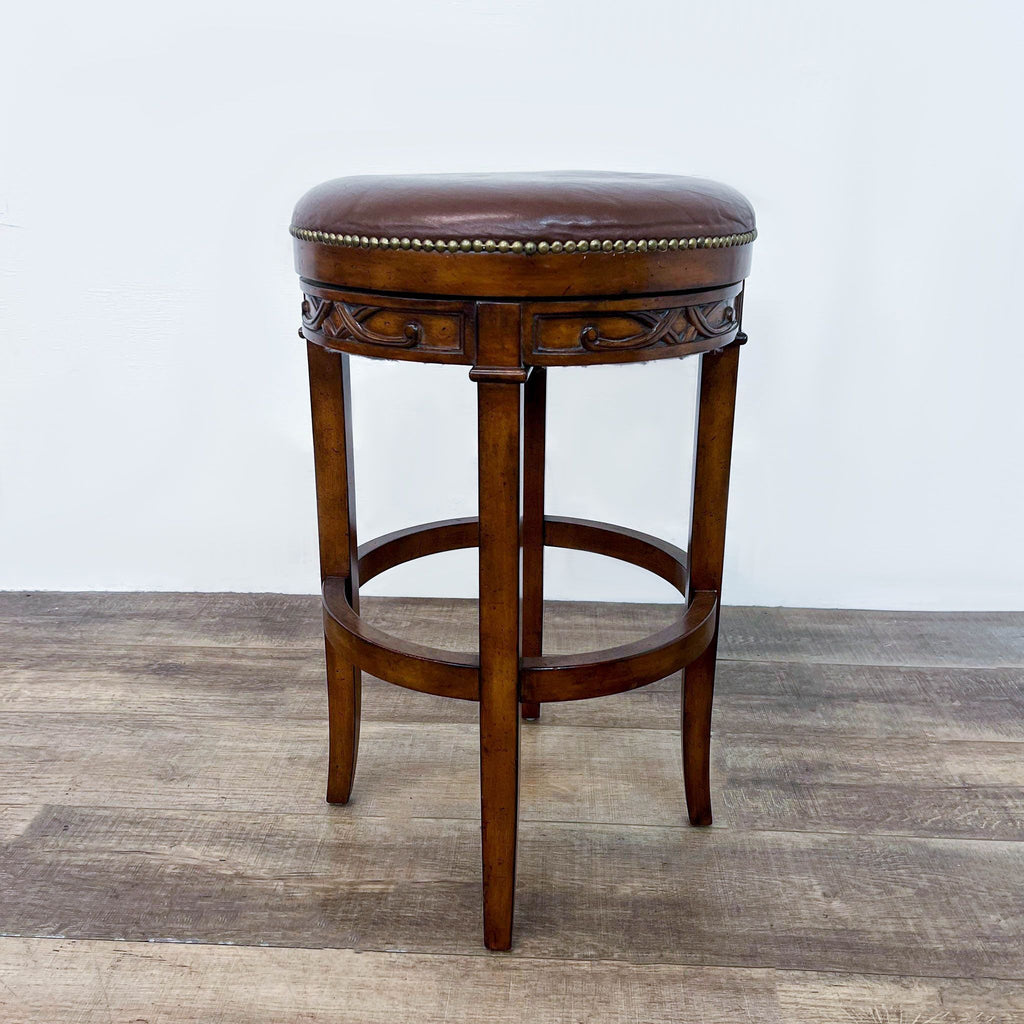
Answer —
533 521
716 404
499 401
331 401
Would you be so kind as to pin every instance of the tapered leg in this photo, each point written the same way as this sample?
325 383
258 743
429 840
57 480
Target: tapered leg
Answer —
344 695
499 398
715 407
698 690
533 521
331 400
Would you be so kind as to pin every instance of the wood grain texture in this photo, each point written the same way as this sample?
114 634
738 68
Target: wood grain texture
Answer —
989 639
14 818
45 981
753 697
499 457
534 464
939 639
626 776
161 779
330 392
716 405
717 897
89 982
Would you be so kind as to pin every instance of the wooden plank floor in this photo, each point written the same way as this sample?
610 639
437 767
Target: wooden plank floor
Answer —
166 853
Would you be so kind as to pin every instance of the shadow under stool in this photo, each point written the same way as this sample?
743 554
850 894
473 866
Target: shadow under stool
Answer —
510 274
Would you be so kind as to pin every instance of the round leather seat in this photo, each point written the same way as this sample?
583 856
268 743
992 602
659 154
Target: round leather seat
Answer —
526 234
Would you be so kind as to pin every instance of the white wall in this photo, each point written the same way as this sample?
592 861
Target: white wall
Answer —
153 408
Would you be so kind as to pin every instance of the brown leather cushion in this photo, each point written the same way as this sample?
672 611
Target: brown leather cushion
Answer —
534 208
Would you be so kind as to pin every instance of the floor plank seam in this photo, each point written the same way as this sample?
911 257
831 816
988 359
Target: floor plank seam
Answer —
469 724
812 661
518 958
682 825
314 649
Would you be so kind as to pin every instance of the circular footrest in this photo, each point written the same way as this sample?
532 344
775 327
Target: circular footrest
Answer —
542 679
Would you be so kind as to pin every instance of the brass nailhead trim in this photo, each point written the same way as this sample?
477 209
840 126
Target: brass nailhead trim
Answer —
523 248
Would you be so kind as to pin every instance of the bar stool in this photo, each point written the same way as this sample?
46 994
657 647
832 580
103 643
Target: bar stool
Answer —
510 274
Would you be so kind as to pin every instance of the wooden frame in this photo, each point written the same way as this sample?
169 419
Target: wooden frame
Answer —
509 344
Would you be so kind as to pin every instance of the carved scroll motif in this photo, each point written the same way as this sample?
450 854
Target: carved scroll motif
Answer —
342 321
680 326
